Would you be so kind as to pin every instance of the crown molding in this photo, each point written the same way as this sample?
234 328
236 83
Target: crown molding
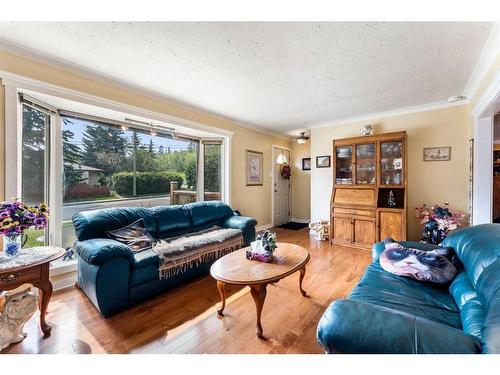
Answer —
486 58
391 113
489 96
20 82
51 61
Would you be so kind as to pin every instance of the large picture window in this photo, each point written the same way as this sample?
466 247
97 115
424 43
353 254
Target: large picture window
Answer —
107 166
78 161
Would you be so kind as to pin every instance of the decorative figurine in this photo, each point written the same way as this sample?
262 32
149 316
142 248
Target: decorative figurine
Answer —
17 310
319 230
69 254
366 129
391 201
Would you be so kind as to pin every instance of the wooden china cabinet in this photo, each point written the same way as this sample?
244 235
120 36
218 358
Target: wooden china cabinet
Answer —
368 200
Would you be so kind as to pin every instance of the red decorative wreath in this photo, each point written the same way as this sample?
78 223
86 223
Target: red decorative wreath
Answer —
286 171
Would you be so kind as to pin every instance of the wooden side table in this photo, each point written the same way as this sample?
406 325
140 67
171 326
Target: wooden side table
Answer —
31 267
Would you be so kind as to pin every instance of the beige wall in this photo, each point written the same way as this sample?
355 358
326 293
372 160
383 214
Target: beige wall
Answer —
301 182
250 200
428 182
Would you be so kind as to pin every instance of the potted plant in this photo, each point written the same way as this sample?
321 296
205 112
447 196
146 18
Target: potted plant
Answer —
437 222
15 218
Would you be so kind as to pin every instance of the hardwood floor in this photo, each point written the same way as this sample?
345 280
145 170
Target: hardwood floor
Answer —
185 320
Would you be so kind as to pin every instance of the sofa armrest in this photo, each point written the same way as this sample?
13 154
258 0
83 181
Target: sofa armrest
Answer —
243 223
349 326
99 250
379 247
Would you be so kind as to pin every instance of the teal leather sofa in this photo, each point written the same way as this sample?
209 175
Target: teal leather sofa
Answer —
390 314
114 278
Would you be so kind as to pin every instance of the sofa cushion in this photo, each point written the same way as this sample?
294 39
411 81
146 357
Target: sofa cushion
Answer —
472 316
144 274
379 247
208 212
477 247
94 224
171 218
461 289
420 299
431 266
133 235
145 258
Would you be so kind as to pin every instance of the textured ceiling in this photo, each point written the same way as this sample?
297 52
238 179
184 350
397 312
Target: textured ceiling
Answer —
276 76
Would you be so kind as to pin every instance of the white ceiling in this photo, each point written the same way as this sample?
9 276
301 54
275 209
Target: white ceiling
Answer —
276 76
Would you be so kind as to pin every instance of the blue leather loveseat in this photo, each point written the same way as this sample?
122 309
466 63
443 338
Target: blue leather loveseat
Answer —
390 314
114 278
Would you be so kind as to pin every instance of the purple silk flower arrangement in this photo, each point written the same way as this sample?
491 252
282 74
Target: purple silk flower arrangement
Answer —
16 217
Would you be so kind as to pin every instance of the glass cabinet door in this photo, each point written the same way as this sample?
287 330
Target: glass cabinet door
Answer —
365 164
391 163
343 165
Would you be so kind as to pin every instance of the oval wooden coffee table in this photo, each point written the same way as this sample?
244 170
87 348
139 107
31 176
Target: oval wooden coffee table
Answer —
235 269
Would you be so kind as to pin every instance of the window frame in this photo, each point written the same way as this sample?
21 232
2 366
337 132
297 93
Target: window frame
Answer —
15 84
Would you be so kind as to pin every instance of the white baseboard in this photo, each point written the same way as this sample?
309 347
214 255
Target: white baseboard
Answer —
263 227
304 221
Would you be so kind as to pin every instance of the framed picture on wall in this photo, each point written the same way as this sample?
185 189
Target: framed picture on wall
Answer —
254 168
437 153
306 164
323 161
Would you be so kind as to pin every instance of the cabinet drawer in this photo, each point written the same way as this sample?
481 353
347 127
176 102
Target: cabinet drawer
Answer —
351 211
20 277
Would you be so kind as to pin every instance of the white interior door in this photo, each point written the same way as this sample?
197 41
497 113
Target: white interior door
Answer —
281 191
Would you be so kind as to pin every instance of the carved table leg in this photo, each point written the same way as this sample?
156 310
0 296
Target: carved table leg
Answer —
45 293
222 290
258 292
301 277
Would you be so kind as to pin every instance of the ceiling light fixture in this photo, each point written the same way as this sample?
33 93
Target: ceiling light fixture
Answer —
456 98
302 138
281 159
125 126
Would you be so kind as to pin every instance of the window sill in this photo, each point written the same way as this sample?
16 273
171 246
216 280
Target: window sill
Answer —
60 267
63 274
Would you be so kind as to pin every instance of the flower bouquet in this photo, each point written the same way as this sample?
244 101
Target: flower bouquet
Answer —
263 247
15 218
437 222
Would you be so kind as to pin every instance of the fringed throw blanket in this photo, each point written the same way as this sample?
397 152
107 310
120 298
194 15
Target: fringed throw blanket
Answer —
178 254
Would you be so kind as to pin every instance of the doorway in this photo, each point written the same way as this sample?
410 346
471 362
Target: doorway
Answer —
281 187
484 113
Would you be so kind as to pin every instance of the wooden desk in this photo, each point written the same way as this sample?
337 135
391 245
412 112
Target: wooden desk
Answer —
34 272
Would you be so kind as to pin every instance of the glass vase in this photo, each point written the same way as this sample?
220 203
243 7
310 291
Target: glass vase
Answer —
12 244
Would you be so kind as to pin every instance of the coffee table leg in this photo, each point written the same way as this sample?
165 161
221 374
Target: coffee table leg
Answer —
45 292
301 277
259 292
222 290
